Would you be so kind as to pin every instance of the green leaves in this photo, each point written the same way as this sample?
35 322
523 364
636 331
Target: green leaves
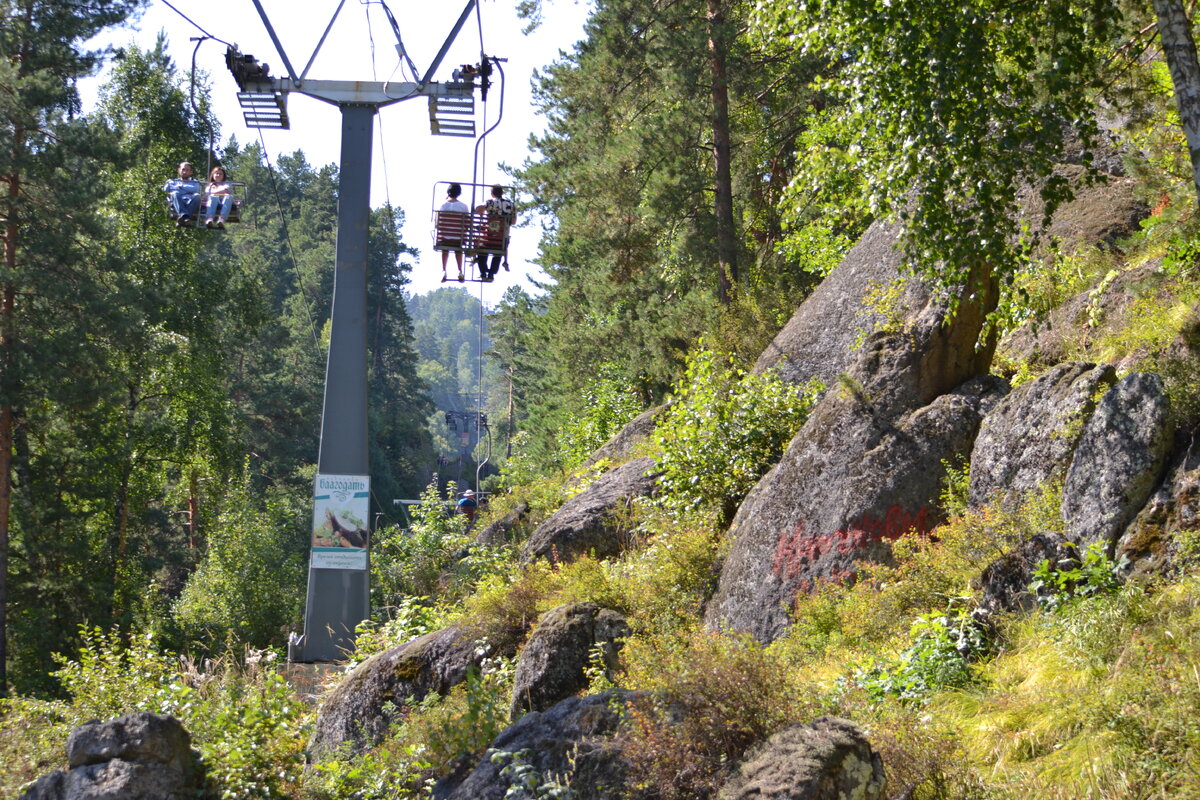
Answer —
724 430
956 107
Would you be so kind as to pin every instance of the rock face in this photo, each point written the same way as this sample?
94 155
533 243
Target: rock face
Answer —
140 756
571 743
369 699
818 341
865 468
1030 437
1118 462
553 665
1152 541
827 760
590 522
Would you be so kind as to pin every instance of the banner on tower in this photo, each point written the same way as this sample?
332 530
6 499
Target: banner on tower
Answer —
340 531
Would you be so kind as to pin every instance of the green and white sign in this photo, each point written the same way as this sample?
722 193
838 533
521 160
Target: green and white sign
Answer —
340 533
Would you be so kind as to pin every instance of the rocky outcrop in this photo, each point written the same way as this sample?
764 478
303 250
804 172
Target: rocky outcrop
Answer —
1082 320
865 468
571 743
829 759
1152 542
1030 437
818 341
140 756
365 704
1119 461
591 522
553 665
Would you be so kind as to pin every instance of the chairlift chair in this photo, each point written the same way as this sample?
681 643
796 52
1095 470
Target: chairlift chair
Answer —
480 232
234 215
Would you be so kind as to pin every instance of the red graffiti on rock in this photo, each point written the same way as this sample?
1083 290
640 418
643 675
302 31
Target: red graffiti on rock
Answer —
797 549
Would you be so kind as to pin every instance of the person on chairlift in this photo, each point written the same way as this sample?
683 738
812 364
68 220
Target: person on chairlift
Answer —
495 235
183 193
220 198
452 227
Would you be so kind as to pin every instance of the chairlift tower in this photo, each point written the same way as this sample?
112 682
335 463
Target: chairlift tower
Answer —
339 576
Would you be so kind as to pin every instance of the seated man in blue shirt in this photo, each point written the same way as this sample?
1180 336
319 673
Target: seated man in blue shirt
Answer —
183 193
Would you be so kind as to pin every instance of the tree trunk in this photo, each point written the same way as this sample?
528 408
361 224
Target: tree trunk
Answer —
7 359
1175 32
718 49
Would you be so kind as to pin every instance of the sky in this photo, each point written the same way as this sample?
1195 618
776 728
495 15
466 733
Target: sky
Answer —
407 160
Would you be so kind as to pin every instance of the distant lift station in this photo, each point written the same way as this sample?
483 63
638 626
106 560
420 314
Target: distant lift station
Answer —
338 577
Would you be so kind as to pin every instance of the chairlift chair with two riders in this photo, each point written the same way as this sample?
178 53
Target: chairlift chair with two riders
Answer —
482 231
197 221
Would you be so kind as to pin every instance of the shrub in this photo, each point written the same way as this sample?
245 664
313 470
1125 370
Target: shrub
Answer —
241 714
606 405
248 587
714 697
725 429
1055 585
937 659
410 562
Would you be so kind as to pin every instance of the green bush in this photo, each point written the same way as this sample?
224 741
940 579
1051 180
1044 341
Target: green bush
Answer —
410 562
1094 574
937 659
606 405
241 714
724 430
249 586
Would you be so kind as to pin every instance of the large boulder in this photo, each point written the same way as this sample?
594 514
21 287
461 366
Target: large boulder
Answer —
592 521
865 468
358 713
819 340
1152 542
553 665
1119 461
140 756
829 759
1030 436
571 743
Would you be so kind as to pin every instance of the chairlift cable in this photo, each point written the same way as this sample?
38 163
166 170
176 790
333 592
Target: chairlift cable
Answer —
291 251
196 26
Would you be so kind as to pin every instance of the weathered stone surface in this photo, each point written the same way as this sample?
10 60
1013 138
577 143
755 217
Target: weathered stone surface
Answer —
1030 436
1005 582
139 756
553 665
829 759
1118 462
1102 213
368 700
865 468
572 742
1152 541
502 530
818 341
590 522
622 445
